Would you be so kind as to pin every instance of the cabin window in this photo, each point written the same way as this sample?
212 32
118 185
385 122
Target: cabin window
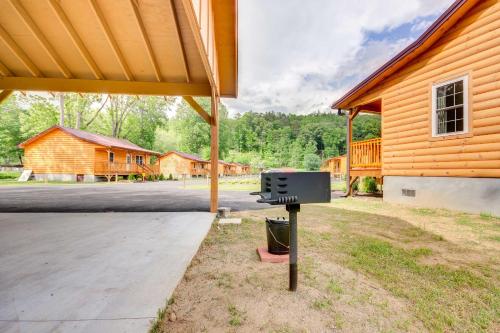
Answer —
138 159
450 107
129 159
111 156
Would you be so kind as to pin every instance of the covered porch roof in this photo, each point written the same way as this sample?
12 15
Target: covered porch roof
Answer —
139 47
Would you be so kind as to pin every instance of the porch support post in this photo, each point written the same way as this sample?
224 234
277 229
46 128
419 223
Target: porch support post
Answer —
350 118
348 153
214 153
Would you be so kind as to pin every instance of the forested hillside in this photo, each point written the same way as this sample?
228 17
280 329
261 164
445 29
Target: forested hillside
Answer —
263 140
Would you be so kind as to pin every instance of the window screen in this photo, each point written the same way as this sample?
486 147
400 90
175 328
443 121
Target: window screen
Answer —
450 107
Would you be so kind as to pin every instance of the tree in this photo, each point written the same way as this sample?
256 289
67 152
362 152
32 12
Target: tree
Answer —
10 132
148 114
41 113
312 162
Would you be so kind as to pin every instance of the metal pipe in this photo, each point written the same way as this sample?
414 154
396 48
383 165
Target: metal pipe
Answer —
292 212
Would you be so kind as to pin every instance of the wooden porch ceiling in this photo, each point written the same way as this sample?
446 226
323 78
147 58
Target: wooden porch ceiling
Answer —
137 47
371 107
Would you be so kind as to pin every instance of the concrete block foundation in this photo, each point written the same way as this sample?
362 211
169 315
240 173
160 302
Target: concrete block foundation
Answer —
63 177
57 177
472 195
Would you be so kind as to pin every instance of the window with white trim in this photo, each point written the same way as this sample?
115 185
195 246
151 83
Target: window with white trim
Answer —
450 107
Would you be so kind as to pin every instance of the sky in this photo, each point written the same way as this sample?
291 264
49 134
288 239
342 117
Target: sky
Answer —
299 56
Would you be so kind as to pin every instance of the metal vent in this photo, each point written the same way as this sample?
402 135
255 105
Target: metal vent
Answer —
408 193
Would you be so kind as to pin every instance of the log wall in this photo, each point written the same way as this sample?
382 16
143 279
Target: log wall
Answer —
59 153
471 47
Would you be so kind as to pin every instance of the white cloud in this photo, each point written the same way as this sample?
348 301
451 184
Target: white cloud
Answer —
297 56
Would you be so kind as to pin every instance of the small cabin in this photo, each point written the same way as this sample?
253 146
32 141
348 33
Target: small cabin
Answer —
179 165
67 154
336 165
241 169
225 169
439 103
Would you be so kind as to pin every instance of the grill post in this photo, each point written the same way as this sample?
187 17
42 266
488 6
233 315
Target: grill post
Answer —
292 213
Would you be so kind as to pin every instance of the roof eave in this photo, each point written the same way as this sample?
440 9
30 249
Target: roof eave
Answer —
459 7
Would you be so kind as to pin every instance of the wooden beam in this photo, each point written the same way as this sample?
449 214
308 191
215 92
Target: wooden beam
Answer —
214 154
145 39
105 86
75 38
109 36
353 113
197 107
19 53
40 38
173 12
4 94
368 109
193 23
4 70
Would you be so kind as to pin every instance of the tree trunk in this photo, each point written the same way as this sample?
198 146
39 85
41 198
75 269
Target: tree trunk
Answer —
78 119
61 109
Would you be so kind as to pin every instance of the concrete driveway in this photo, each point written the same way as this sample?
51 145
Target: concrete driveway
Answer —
98 272
121 197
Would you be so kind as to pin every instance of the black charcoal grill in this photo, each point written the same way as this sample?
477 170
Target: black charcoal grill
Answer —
293 189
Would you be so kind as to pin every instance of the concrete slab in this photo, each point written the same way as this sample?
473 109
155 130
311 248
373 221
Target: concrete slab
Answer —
92 272
232 220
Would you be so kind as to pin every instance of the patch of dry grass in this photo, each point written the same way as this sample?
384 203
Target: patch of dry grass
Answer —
361 269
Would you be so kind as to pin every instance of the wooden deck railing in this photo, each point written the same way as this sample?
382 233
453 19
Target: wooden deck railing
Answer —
198 171
366 154
111 168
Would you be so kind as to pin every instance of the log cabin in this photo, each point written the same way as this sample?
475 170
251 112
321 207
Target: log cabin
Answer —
336 166
179 164
67 154
225 169
439 102
241 169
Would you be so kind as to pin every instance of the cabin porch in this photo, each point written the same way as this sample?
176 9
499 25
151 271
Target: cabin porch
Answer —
198 169
364 158
112 163
114 169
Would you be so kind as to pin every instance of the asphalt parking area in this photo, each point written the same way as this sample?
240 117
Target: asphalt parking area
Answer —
121 197
92 272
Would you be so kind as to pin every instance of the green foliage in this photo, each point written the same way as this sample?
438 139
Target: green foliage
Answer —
161 177
312 162
263 140
9 175
236 316
147 116
369 185
10 132
170 177
355 186
132 177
